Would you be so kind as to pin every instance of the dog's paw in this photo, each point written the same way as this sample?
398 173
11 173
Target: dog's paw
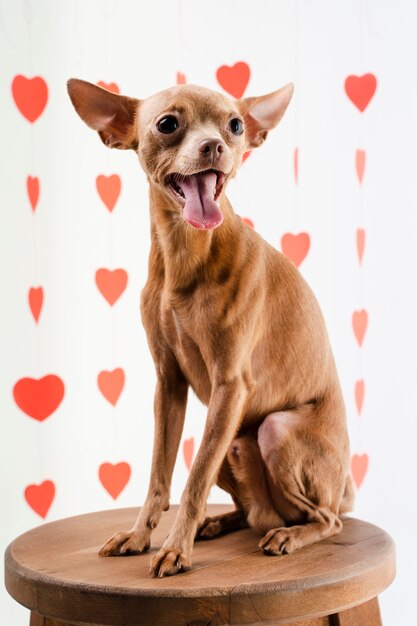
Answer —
123 544
211 527
169 561
278 541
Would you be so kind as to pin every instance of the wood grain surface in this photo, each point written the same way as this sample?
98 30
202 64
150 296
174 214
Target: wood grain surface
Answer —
55 571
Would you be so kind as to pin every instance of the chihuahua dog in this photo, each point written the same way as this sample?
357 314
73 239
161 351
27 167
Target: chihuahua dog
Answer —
231 316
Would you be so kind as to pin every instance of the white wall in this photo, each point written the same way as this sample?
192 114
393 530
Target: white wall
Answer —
71 234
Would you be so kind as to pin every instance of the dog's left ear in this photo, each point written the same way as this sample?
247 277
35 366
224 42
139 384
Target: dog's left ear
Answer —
114 117
263 113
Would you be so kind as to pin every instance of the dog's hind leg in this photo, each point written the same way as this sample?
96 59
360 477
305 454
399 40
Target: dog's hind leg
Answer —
222 524
306 475
248 469
226 522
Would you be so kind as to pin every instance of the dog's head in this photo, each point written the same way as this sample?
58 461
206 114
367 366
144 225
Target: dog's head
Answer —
190 140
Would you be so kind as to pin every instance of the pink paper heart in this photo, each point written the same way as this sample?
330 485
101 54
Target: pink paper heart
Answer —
295 247
111 384
360 161
188 451
114 478
36 301
108 188
360 243
360 324
359 467
111 283
30 96
234 79
40 497
39 398
113 87
32 186
360 89
359 394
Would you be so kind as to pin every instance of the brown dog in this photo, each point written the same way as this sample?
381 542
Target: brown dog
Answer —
227 314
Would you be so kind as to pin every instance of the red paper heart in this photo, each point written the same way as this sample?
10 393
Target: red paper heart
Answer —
30 96
36 301
39 398
109 86
359 394
360 161
248 221
108 188
181 78
296 165
295 247
246 155
360 243
188 450
114 478
234 79
360 89
111 384
111 283
32 186
360 324
359 467
40 497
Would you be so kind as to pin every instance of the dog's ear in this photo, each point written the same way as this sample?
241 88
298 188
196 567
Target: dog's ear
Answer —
263 113
114 117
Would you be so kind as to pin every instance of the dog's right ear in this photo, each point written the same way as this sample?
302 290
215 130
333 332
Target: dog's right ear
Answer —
114 117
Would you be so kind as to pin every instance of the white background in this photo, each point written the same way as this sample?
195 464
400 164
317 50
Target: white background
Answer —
141 46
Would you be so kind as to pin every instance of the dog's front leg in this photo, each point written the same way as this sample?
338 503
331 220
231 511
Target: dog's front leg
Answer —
170 403
227 403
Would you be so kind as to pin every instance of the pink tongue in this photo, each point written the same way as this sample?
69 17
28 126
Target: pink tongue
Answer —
200 210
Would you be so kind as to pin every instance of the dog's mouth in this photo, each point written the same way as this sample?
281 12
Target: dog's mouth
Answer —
198 194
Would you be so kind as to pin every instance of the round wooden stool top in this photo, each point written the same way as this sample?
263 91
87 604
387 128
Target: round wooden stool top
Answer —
55 570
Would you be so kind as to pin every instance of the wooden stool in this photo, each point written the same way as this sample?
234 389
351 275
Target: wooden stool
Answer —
54 571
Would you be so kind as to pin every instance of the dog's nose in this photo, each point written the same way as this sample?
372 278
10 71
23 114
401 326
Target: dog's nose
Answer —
211 147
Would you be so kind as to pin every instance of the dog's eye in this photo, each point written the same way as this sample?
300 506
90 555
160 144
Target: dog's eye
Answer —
236 126
168 124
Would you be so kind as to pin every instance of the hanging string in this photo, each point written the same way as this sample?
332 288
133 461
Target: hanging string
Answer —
28 17
296 148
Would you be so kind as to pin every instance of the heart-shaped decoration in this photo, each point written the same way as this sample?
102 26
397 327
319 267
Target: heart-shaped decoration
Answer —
30 96
109 86
111 384
246 155
359 394
360 324
359 467
39 398
188 451
360 243
248 221
295 247
234 79
114 478
360 89
111 283
108 188
32 186
360 161
35 301
295 163
181 78
40 497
